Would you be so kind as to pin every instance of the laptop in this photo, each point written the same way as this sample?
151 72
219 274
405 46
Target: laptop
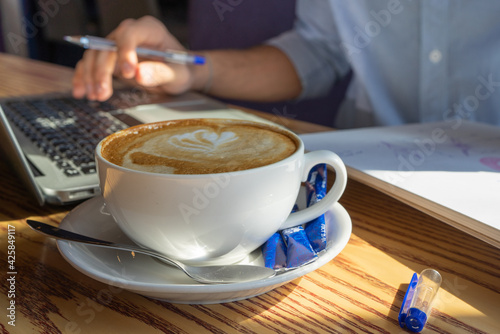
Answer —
50 139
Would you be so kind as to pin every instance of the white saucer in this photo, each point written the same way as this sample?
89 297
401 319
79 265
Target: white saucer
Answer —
146 276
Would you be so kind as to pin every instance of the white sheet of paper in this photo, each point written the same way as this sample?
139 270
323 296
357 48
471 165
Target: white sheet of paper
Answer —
157 112
447 168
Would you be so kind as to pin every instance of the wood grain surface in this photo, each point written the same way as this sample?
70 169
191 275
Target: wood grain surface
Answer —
359 291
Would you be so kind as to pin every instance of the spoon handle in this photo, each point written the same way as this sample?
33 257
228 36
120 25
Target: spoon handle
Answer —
62 234
206 274
58 233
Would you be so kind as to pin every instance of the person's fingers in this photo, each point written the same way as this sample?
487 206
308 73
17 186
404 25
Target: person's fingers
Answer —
87 73
93 74
145 32
171 78
104 64
150 74
78 82
127 41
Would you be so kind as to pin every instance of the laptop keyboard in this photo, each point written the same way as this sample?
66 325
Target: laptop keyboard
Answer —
66 130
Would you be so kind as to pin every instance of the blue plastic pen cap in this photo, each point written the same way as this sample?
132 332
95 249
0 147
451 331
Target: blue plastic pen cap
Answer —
415 319
199 60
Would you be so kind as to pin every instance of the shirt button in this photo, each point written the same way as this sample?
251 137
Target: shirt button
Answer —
435 56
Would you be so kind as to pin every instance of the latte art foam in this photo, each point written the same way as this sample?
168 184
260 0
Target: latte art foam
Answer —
198 146
202 140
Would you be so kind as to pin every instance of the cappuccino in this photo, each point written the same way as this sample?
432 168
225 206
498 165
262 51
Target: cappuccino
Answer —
198 146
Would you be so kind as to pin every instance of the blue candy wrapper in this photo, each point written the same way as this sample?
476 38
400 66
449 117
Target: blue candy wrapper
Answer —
316 184
298 248
316 190
288 249
316 233
274 252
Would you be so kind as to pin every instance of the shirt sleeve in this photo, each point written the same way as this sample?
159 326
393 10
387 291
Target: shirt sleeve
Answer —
313 47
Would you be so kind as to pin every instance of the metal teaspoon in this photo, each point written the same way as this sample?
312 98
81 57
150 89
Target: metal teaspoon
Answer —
204 274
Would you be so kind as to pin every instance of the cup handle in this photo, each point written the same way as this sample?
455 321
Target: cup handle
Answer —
311 159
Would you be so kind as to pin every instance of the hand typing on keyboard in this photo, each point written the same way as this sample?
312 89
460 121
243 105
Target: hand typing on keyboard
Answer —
93 74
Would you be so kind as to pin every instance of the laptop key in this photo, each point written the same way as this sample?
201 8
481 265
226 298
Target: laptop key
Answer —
63 164
71 172
89 170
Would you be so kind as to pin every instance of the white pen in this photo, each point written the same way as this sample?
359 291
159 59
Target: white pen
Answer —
98 43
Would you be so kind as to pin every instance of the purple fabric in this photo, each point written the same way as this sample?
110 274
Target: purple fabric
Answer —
243 23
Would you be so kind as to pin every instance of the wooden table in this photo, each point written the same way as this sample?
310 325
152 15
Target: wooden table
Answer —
360 290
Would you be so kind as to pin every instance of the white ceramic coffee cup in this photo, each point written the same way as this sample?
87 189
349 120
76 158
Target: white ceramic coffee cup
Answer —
213 218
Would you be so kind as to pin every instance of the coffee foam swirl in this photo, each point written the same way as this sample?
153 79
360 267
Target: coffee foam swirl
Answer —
198 146
202 140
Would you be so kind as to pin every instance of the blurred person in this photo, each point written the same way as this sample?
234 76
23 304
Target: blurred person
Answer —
412 61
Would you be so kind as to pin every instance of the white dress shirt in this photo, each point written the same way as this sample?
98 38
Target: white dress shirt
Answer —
412 60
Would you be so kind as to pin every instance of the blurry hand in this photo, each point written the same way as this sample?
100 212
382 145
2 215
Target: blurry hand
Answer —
93 73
